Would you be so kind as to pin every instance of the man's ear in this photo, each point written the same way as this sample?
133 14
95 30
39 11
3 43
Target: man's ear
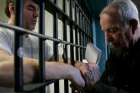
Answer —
133 23
11 8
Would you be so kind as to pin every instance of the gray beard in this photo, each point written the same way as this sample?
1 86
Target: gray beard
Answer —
118 51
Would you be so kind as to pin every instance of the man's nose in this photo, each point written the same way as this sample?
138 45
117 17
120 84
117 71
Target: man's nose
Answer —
36 14
109 36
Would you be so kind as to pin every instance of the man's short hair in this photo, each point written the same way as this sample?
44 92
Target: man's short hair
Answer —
7 7
13 1
127 10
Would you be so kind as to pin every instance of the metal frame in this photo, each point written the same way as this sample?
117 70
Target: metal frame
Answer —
18 59
79 29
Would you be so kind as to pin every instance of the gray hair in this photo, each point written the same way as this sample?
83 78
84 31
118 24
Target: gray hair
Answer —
127 10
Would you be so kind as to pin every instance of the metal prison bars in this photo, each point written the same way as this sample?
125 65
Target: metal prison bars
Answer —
80 33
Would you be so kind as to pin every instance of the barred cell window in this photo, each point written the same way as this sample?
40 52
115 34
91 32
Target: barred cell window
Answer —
65 25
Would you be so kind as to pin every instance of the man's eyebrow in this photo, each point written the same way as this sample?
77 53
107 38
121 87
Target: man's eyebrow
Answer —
32 6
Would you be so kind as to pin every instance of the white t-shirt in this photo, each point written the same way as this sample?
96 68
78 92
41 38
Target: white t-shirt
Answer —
30 45
30 48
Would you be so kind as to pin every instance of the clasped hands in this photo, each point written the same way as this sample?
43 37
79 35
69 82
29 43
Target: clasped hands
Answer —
90 73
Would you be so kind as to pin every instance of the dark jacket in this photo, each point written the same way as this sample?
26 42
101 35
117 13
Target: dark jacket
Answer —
122 68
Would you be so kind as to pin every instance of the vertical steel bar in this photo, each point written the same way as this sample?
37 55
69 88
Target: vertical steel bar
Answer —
71 35
55 44
80 37
84 33
42 44
76 34
65 55
18 58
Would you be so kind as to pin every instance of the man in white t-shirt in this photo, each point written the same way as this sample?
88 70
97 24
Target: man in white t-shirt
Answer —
54 70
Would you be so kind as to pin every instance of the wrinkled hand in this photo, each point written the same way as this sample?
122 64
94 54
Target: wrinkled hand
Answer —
90 72
77 78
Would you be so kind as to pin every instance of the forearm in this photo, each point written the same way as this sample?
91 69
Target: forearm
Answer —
55 70
7 69
7 72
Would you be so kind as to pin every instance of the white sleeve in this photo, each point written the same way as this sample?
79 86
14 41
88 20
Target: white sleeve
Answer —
48 54
6 41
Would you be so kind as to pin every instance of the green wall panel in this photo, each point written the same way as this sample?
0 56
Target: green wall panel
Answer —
2 9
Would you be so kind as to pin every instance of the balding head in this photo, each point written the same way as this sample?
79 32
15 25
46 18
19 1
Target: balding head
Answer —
126 10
